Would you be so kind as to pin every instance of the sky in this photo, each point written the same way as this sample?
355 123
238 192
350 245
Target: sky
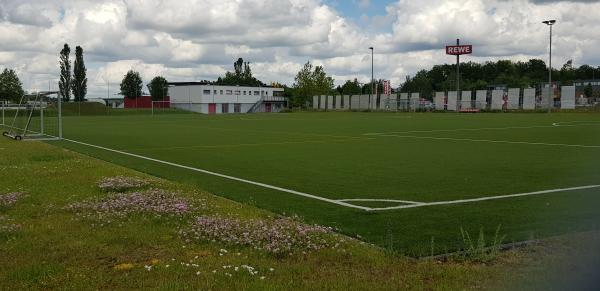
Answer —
191 40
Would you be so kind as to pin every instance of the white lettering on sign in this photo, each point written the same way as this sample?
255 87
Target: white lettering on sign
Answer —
459 49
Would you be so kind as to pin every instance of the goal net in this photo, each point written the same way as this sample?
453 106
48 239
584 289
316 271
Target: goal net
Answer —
161 107
35 117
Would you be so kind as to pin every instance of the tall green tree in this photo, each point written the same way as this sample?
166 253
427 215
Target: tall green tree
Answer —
351 88
303 85
158 88
79 85
323 84
11 87
311 81
131 86
64 85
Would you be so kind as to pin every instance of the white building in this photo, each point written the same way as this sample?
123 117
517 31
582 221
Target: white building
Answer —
215 99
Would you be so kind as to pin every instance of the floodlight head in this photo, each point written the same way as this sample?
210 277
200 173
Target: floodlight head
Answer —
371 48
549 22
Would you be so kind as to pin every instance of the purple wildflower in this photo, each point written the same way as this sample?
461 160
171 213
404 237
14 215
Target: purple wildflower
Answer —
153 201
6 225
121 183
279 236
9 199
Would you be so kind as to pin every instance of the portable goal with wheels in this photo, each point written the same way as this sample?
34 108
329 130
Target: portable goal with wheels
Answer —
33 118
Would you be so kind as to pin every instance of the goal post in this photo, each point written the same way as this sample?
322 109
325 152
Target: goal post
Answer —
35 117
161 106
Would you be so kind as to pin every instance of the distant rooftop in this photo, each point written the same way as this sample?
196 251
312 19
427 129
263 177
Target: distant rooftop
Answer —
189 83
198 83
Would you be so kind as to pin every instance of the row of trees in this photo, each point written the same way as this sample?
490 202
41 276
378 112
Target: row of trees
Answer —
241 75
76 83
479 76
131 86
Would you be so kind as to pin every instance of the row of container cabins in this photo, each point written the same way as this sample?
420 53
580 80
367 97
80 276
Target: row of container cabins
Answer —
511 99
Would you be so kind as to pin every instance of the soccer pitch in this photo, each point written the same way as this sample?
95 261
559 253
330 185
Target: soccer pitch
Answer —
405 181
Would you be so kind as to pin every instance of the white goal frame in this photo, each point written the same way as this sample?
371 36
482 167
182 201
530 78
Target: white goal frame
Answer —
161 102
25 133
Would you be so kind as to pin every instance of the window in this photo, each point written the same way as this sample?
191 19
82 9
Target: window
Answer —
221 92
244 93
215 92
206 92
228 92
237 107
225 108
256 93
237 92
278 93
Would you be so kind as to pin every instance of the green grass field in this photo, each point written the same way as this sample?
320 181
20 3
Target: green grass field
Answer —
49 246
419 158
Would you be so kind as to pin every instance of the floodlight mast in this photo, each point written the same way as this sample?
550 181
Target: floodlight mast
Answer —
550 23
372 76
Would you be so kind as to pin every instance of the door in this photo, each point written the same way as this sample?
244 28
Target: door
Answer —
267 107
212 108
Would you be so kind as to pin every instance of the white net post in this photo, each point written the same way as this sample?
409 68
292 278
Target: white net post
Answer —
41 119
60 129
2 105
161 105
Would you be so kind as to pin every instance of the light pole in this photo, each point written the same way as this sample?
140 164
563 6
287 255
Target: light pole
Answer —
550 23
372 77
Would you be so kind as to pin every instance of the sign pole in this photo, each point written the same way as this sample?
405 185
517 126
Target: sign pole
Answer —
458 72
458 50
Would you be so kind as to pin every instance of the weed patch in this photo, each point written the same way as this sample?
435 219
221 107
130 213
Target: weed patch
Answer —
121 183
155 202
480 250
280 236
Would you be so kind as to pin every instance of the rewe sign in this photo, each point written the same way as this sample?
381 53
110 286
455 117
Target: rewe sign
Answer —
459 49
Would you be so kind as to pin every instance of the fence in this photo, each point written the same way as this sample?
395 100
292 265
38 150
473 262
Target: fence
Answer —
465 101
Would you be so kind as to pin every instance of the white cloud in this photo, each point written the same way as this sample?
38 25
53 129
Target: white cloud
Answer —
200 39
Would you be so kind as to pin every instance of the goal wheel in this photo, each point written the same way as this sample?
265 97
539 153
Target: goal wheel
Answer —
18 137
4 133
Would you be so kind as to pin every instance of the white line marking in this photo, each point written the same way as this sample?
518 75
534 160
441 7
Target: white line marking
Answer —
490 141
463 129
224 176
245 144
576 123
486 198
555 124
338 202
381 200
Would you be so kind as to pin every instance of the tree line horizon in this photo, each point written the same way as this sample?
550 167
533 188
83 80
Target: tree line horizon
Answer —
313 80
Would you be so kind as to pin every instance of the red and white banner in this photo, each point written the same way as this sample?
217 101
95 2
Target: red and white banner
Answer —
387 87
459 49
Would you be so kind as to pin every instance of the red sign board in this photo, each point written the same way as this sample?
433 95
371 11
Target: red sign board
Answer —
459 49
